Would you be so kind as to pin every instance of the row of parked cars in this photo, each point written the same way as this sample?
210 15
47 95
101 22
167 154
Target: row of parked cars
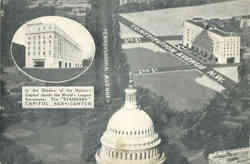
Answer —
202 56
148 70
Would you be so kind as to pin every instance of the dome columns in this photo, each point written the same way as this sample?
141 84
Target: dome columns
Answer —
130 98
112 154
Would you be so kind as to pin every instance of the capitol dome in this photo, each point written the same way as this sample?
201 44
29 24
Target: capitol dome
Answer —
130 137
130 121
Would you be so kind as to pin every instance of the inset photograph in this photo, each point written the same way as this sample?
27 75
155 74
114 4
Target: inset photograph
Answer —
53 49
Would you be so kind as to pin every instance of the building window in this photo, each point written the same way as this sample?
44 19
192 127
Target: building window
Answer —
44 53
60 64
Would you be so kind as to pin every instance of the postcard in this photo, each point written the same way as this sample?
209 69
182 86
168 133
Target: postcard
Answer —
125 81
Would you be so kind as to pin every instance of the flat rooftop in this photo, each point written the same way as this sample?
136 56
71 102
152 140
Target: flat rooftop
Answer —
222 27
234 156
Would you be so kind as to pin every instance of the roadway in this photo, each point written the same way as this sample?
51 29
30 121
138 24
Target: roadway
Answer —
153 70
180 54
163 69
145 40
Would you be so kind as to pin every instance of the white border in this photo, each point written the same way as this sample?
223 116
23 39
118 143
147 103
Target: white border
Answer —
45 81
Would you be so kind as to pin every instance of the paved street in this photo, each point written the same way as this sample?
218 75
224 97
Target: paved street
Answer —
178 53
144 40
152 70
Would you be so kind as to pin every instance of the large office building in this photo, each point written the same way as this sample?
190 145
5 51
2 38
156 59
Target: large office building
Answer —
244 20
233 156
48 46
212 37
130 136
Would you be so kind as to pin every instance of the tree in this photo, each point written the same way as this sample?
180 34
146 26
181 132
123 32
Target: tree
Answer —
174 155
242 70
13 18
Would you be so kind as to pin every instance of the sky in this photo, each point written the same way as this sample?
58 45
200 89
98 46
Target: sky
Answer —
74 29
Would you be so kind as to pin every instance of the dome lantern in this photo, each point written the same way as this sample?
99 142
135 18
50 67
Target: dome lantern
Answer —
130 94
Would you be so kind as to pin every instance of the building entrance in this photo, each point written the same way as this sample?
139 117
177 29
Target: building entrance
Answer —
39 63
230 60
60 64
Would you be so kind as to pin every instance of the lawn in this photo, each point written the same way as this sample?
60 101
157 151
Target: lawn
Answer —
142 58
170 21
179 88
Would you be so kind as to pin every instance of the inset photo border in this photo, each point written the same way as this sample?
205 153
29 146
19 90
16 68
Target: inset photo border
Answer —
52 49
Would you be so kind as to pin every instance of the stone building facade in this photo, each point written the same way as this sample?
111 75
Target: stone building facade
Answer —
211 39
48 46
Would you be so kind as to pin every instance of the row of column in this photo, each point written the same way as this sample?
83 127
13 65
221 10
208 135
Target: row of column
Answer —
135 132
121 155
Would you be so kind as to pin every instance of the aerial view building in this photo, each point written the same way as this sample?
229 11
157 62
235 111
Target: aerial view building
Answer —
233 156
76 10
130 137
244 20
211 37
48 46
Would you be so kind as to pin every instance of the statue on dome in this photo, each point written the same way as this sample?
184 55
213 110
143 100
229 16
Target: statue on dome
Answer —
131 79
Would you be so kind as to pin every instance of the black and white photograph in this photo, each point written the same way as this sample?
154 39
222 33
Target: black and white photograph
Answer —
53 48
125 82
